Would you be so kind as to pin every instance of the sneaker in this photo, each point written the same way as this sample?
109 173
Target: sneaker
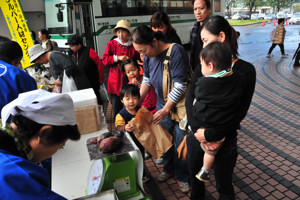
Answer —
183 187
163 176
145 179
159 161
284 55
269 56
147 155
203 176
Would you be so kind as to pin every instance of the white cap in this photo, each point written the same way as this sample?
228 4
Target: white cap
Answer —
42 107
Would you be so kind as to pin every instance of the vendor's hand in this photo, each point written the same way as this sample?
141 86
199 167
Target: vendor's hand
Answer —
123 58
57 82
159 116
129 127
200 135
211 145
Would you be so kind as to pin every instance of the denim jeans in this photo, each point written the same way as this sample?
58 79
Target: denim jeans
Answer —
171 162
224 164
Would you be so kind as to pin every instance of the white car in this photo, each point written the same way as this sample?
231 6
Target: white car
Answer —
254 16
261 16
270 16
289 15
295 18
281 15
236 16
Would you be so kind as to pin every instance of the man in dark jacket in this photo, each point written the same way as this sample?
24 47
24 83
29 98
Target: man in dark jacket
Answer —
202 11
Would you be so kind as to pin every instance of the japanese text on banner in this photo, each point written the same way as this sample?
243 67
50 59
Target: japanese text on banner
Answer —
18 27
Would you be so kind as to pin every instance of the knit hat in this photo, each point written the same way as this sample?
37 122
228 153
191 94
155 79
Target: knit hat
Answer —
35 52
42 107
122 24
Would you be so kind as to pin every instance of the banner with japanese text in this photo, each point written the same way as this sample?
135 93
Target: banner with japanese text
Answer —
18 27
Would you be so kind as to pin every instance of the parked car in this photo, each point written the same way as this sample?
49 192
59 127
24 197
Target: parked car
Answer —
270 16
254 16
245 17
281 15
261 16
236 16
295 18
289 15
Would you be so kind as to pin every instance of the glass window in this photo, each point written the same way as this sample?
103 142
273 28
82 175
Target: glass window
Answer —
217 5
111 8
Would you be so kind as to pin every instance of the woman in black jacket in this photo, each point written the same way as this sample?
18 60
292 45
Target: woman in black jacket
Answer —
218 29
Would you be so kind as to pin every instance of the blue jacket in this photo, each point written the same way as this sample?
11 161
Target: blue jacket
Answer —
13 81
23 179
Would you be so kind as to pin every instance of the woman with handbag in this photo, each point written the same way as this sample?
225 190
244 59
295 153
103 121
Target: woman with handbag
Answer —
217 29
152 45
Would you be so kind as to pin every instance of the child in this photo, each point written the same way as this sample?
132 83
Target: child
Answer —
132 74
131 71
118 50
130 96
217 96
280 33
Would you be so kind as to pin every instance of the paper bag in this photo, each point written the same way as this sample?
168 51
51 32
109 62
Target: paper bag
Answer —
182 149
155 139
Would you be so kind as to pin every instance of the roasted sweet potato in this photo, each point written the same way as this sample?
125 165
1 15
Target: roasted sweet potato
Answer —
93 141
108 145
103 136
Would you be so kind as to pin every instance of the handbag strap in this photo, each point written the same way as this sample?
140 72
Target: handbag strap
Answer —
167 85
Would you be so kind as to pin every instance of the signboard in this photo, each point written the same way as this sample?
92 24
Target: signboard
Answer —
18 27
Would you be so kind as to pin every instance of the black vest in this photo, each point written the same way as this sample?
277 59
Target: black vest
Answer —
90 69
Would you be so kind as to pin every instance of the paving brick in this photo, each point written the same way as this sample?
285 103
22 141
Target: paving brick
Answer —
278 195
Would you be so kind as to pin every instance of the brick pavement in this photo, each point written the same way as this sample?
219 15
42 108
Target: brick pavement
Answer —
268 164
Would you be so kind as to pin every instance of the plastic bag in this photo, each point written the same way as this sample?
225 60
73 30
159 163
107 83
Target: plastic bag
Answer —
68 84
104 97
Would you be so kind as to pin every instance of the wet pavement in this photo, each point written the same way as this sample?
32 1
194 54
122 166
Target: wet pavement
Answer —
268 164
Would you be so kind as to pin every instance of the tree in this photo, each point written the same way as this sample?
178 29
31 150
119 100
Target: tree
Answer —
228 5
249 4
278 4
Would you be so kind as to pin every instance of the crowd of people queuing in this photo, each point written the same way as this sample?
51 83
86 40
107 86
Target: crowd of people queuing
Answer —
211 125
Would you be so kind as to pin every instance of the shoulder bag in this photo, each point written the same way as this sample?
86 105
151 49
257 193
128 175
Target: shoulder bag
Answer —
178 112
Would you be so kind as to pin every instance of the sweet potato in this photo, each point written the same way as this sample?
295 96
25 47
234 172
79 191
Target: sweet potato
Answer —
103 136
109 144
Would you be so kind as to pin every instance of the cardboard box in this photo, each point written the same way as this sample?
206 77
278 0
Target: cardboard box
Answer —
87 119
86 110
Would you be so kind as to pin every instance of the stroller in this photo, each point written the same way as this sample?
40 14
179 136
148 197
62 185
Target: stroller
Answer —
297 56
